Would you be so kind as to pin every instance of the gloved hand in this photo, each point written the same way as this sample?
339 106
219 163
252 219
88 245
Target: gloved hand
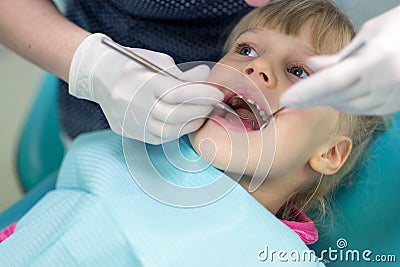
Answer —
365 83
158 108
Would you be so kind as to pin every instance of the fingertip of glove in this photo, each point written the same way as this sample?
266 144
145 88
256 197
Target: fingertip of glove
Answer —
290 100
213 92
317 63
219 95
198 73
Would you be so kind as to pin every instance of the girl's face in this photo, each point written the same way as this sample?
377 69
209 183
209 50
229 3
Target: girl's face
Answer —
277 158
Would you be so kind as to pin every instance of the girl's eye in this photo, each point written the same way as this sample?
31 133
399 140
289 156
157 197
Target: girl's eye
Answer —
298 71
245 50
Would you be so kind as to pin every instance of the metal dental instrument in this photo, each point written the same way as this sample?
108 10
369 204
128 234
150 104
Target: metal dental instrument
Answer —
349 54
269 118
144 62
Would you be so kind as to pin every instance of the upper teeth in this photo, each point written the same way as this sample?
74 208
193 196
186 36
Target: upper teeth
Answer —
261 112
251 101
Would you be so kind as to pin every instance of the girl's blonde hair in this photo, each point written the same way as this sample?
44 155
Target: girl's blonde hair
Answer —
331 31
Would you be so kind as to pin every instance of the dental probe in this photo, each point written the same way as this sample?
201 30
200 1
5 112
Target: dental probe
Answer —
269 117
349 54
144 62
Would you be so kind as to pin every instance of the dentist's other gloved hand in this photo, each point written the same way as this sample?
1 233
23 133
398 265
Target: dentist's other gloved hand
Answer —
137 102
366 83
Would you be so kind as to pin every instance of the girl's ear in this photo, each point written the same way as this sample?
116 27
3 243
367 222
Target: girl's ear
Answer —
330 162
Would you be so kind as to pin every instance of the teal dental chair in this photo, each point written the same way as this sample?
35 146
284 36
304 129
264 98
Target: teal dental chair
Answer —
367 218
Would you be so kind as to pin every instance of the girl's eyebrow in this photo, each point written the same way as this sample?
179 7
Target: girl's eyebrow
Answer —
308 51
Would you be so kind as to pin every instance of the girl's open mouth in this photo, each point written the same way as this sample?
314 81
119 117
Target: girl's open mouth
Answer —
251 114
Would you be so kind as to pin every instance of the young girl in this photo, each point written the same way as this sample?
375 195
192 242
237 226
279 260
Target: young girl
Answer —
314 148
288 167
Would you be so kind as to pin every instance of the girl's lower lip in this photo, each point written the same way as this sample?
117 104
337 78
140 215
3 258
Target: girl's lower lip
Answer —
230 122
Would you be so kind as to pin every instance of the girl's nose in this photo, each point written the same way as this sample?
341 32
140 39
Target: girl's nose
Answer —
261 73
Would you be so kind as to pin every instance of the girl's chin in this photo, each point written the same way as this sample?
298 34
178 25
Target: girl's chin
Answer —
237 152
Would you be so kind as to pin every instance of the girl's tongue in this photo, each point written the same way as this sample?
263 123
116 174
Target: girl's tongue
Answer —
243 109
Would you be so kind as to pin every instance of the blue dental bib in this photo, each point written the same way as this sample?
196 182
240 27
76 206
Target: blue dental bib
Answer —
99 216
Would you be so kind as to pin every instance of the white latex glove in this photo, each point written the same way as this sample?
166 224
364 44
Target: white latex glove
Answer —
158 108
365 83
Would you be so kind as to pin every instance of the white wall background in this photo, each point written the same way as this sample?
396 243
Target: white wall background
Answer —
360 11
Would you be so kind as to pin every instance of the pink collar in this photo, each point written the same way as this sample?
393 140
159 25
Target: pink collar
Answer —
303 226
